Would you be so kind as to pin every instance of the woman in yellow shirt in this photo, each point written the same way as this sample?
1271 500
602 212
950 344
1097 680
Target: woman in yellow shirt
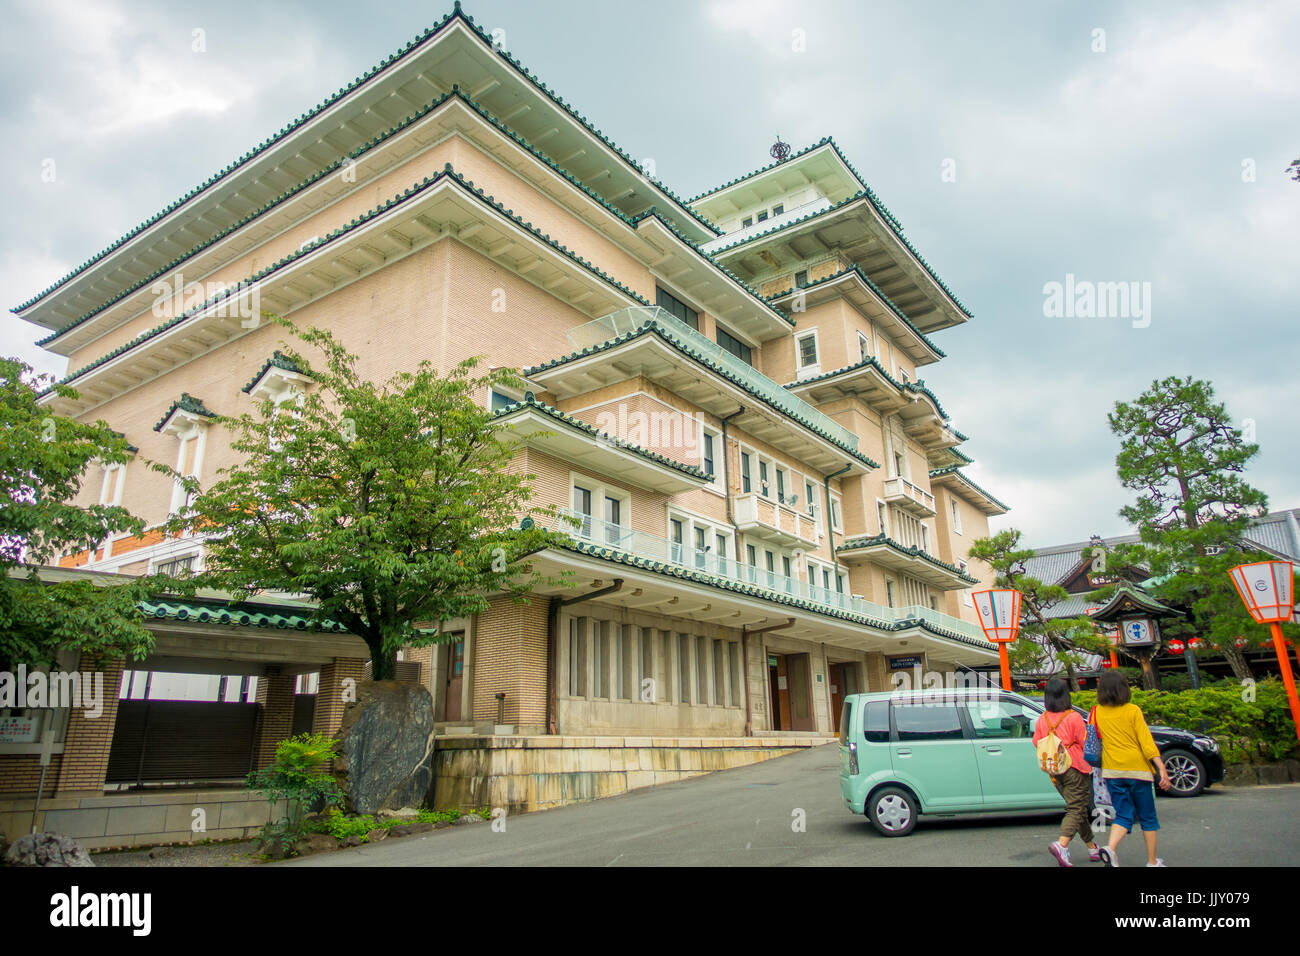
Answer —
1128 754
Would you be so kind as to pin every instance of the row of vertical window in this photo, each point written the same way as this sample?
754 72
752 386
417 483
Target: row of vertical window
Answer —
626 662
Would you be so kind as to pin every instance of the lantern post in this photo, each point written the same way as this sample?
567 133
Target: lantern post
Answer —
999 611
1266 590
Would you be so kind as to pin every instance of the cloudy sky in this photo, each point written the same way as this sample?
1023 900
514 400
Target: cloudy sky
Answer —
1019 143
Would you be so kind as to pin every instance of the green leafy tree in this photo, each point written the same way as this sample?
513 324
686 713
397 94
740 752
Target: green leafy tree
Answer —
393 507
1182 455
1043 640
43 462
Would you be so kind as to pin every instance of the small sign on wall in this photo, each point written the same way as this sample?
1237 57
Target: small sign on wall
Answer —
906 663
780 682
17 730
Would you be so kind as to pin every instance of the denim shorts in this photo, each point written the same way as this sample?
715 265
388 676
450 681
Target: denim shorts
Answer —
1133 797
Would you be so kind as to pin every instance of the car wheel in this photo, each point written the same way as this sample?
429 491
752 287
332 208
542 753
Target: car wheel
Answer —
1186 774
893 811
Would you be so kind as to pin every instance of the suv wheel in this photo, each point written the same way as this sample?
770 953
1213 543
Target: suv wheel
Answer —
893 811
1186 774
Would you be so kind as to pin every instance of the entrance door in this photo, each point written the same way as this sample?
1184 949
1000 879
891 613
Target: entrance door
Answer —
843 678
776 687
455 677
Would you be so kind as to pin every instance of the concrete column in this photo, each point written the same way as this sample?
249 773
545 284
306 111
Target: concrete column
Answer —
89 739
330 694
275 694
877 676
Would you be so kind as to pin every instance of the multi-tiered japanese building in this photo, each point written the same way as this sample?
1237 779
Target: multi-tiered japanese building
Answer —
783 517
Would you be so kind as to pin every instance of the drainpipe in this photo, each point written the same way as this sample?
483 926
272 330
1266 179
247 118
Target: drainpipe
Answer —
553 644
830 535
744 653
726 481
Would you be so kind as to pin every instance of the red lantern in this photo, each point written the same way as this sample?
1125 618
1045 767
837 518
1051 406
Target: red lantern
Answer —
1196 643
1175 646
1105 665
1241 642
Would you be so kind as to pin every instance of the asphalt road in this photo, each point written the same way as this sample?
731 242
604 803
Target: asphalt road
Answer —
744 817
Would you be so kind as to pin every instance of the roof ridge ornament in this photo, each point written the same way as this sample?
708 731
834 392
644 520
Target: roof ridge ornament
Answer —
780 151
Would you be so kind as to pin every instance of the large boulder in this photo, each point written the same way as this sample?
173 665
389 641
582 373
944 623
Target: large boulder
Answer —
385 750
47 849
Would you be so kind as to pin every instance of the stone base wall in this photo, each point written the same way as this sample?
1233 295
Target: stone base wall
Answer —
101 821
537 773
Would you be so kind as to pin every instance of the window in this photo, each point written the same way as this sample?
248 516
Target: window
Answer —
898 465
719 673
736 695
763 488
735 346
110 491
676 534
746 484
778 209
806 349
702 670
956 515
811 502
780 484
902 375
746 222
684 667
577 656
601 510
670 303
1000 719
836 522
930 720
599 658
964 568
500 401
613 520
890 597
864 347
882 516
875 722
762 215
708 455
582 508
177 567
753 555
801 279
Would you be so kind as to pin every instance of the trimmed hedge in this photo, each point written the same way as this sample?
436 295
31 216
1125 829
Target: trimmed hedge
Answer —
1249 731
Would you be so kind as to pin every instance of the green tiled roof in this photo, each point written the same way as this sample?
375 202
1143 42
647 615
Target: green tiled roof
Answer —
187 403
653 326
285 131
278 360
920 388
854 270
405 196
776 597
866 192
530 402
956 470
238 615
867 362
653 213
866 541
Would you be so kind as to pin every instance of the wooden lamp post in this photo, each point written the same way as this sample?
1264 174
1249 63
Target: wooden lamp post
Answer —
1266 590
1135 613
999 611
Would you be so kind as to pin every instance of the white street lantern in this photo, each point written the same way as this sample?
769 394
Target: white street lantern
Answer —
999 611
1265 588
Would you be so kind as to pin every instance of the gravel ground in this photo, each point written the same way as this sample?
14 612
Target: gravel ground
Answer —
236 853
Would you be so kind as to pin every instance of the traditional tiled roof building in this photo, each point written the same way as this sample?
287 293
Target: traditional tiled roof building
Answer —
727 392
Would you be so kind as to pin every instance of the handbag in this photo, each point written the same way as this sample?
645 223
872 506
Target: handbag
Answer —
1092 743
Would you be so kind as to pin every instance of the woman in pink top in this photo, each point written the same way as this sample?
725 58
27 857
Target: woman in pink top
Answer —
1075 785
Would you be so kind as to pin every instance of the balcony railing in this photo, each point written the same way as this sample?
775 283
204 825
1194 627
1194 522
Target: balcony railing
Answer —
599 331
652 547
900 492
771 519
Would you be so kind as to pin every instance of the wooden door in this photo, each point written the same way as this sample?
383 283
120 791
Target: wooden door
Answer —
455 677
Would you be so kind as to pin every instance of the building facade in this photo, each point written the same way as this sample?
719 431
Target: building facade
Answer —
766 507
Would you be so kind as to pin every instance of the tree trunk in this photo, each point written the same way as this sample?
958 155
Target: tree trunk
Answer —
1150 679
383 665
1237 661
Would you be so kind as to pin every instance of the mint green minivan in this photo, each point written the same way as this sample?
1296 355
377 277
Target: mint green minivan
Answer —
940 752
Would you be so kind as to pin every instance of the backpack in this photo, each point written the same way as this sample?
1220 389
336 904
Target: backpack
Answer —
1092 744
1053 757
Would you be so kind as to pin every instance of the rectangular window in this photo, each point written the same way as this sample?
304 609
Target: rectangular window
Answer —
956 515
735 346
700 545
719 674
708 454
800 279
928 721
500 401
837 522
684 667
599 658
780 485
177 567
746 485
762 215
675 531
882 515
746 222
577 656
582 508
763 488
674 305
613 520
864 347
807 350
889 593
646 692
810 503
778 209
702 669
737 695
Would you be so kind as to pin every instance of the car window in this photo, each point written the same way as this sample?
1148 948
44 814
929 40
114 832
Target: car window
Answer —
1000 718
875 722
846 714
927 721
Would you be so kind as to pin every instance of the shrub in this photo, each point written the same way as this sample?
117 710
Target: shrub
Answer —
297 778
1250 731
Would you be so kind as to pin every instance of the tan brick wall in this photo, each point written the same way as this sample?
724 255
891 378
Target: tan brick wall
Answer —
89 739
510 658
328 716
21 774
275 694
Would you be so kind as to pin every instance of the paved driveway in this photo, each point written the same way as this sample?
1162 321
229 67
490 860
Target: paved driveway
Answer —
743 817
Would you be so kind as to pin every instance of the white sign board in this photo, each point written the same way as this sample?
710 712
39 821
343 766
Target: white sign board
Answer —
1137 633
18 730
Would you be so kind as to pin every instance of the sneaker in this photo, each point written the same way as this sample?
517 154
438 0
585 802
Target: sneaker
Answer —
1158 862
1062 853
1108 856
1094 854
